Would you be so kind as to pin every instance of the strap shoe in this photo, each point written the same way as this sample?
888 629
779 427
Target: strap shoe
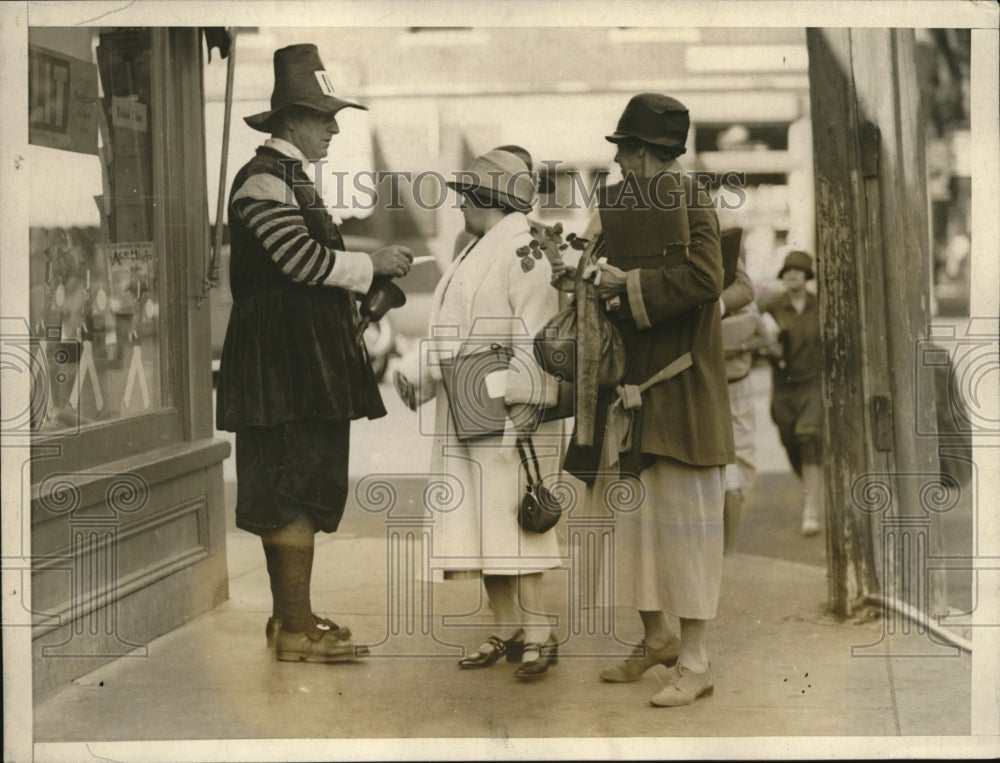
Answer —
495 648
548 654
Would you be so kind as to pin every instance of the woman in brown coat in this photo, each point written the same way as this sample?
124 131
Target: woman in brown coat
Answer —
661 282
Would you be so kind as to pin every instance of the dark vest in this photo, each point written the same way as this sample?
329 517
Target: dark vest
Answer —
290 352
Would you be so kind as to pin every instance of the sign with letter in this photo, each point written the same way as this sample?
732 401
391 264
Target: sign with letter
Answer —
128 113
62 101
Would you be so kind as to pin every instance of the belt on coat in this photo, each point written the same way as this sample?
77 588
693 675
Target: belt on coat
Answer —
622 413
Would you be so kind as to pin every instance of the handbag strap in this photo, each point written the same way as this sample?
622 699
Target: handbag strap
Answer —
525 460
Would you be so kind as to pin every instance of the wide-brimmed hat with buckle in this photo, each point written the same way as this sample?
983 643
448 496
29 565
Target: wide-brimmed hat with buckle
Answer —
653 118
499 176
300 80
798 260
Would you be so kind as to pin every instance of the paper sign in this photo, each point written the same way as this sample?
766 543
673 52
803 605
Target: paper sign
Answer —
62 101
131 271
496 384
128 114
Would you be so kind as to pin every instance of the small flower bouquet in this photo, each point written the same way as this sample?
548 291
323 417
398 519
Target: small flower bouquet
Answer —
547 241
599 354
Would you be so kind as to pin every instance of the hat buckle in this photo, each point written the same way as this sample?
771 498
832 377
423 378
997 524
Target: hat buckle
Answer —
300 79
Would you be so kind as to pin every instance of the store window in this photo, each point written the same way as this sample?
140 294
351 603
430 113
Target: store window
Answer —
95 262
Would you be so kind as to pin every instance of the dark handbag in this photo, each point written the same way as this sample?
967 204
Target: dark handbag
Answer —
539 510
555 348
474 413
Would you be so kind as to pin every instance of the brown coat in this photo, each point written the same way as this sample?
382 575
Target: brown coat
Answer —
674 272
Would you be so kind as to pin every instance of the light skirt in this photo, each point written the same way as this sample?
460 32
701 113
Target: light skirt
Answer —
667 551
743 473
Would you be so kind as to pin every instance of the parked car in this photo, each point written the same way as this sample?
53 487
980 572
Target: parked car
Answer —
379 336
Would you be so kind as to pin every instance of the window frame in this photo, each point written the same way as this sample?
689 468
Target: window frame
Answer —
97 443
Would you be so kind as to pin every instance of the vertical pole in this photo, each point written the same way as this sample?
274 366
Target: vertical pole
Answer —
884 68
841 252
873 271
212 279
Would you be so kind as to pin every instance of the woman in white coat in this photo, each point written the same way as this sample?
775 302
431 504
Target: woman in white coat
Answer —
492 295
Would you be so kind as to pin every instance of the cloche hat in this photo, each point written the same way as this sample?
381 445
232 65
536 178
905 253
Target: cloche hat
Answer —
653 118
300 80
545 183
501 176
797 260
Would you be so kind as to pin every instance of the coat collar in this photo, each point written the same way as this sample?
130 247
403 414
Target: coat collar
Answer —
284 147
483 253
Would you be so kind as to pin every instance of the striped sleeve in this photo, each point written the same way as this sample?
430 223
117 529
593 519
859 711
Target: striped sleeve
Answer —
262 206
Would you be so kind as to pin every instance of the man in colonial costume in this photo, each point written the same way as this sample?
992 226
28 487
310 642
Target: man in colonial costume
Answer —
293 373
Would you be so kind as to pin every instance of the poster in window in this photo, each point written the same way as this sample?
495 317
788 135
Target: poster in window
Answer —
131 273
62 98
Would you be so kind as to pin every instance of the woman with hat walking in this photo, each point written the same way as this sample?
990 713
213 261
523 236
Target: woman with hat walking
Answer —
796 394
490 296
661 283
293 375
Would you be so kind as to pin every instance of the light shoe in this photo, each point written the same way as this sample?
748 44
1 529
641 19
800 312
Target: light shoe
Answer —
810 527
684 687
814 508
642 659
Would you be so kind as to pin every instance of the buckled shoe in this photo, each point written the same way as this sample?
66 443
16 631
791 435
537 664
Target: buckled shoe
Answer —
324 624
548 655
302 647
495 647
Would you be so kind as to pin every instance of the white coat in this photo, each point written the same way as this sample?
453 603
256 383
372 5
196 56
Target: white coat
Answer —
486 291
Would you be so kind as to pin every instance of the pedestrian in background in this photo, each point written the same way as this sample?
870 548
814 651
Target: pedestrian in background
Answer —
741 333
293 374
796 392
489 284
662 280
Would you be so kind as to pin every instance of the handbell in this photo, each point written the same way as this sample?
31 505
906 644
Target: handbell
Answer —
382 297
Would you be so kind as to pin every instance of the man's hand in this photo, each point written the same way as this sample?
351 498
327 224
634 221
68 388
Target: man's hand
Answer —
608 279
393 261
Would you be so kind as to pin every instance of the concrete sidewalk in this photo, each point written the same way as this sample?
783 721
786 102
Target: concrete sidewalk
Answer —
781 667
